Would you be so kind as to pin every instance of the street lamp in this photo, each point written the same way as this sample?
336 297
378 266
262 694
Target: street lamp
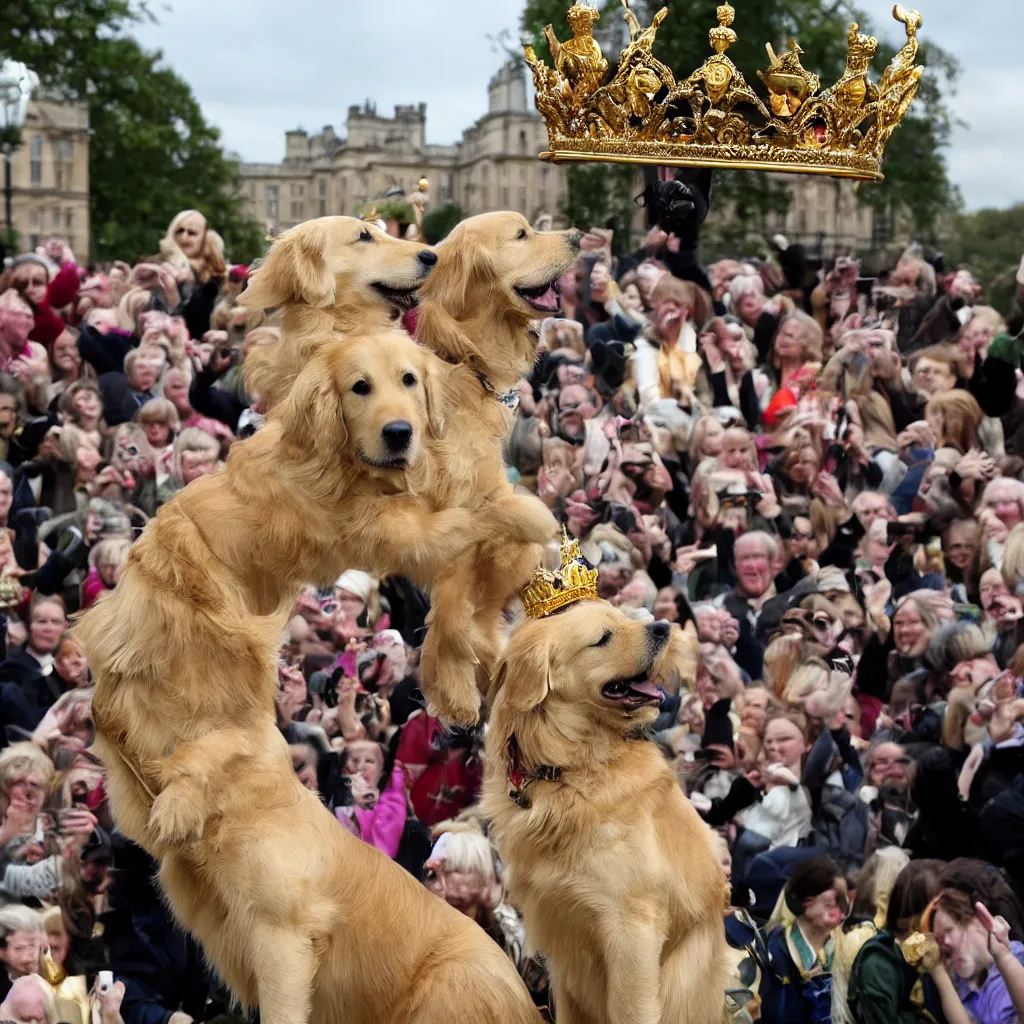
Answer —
16 85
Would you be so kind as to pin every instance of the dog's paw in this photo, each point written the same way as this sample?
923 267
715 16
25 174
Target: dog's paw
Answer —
177 816
528 519
454 698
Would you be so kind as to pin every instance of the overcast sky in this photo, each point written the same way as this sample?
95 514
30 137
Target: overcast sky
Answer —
260 67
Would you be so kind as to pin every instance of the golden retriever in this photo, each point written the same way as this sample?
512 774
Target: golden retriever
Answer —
331 275
611 866
495 275
298 916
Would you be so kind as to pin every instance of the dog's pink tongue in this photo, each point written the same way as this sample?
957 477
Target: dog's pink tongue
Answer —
549 300
647 688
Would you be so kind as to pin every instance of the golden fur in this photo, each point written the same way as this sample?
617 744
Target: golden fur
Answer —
478 325
612 868
298 916
332 275
474 319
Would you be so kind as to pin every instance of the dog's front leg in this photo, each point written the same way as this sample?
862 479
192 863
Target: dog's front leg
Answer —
285 965
401 535
633 958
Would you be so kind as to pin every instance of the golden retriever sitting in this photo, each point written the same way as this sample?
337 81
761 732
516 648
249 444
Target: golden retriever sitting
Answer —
613 869
298 916
332 275
495 275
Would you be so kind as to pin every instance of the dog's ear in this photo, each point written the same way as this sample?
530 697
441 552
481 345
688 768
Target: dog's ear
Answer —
464 267
437 399
295 271
312 413
523 675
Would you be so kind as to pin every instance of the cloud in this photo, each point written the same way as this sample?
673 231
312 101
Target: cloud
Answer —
261 68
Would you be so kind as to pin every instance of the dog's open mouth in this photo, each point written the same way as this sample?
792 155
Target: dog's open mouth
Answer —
403 299
544 298
636 692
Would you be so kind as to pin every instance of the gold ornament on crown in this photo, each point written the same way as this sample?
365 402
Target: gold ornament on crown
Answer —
575 580
714 118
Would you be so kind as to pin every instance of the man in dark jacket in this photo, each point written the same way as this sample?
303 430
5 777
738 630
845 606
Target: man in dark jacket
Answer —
161 967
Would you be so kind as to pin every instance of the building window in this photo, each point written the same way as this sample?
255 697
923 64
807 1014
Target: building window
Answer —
522 142
63 162
504 199
323 188
297 190
56 218
36 159
323 207
271 194
69 219
542 176
296 209
522 200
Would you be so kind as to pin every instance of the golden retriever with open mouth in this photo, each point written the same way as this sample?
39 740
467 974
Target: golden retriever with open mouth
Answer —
333 275
495 276
298 916
611 866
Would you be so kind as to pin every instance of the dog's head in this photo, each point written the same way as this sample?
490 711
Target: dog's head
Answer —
496 267
588 665
373 396
334 259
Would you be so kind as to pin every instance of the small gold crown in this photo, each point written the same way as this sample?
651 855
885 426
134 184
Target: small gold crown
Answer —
575 580
643 115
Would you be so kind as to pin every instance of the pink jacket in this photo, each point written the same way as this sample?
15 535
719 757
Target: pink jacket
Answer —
383 826
92 587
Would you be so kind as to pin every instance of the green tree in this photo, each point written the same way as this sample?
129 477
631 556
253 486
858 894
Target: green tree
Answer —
990 242
438 221
152 153
916 185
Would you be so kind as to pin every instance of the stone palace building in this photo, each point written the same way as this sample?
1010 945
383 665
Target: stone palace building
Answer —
50 176
494 166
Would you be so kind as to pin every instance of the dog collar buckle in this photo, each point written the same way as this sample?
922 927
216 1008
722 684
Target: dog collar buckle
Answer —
509 399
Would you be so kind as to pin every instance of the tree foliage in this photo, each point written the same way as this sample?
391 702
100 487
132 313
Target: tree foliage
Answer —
917 185
990 242
438 221
152 153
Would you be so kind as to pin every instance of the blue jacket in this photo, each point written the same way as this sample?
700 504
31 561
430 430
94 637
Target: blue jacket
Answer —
785 997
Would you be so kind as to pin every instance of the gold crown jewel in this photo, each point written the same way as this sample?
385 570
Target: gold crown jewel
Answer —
714 118
575 580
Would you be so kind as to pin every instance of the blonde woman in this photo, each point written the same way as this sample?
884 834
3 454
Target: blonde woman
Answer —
195 253
106 560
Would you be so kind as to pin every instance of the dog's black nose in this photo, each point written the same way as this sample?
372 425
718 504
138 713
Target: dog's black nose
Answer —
397 435
427 258
660 630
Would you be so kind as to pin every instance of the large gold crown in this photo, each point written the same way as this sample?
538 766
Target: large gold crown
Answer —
714 118
575 580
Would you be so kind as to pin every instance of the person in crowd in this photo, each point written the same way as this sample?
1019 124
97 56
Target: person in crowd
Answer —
834 500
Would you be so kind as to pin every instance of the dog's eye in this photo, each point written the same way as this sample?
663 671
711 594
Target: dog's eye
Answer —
362 387
522 233
409 380
365 236
605 637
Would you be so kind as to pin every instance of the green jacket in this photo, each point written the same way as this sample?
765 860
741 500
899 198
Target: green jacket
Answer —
882 985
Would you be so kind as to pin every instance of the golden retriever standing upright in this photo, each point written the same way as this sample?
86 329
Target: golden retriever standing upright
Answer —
333 275
613 869
495 275
300 918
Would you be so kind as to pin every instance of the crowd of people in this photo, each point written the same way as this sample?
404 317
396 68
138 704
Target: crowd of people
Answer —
819 470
